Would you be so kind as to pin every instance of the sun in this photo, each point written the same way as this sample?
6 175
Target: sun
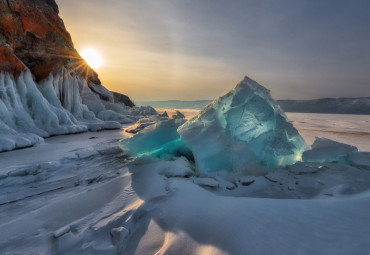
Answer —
92 57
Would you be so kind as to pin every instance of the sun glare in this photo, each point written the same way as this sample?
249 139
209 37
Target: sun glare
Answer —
92 57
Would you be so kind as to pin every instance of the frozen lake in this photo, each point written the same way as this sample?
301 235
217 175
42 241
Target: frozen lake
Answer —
345 128
80 194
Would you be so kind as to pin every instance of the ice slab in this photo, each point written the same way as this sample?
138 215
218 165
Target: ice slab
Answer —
159 140
326 150
243 131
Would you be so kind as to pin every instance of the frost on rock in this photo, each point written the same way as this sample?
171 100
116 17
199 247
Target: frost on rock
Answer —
244 131
143 111
27 116
30 111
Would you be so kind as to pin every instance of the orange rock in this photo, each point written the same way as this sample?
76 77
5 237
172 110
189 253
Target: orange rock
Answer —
33 36
37 36
9 62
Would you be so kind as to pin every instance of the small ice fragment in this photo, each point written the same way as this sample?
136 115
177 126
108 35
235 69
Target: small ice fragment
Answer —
246 180
119 234
58 233
206 182
85 153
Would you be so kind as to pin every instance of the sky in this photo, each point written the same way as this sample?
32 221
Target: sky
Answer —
200 49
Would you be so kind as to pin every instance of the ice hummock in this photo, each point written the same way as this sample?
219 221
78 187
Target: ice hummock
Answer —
243 131
324 150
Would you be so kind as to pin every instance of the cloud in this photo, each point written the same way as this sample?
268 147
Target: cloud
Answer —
198 49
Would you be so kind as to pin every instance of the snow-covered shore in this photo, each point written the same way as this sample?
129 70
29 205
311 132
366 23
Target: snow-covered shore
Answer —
79 194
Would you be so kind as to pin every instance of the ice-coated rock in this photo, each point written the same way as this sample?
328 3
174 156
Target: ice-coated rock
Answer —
143 111
46 88
326 150
243 131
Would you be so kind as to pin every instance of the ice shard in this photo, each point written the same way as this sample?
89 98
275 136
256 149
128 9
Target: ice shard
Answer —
243 131
159 140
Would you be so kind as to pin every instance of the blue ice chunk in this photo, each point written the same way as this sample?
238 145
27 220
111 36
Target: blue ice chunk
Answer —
160 140
243 131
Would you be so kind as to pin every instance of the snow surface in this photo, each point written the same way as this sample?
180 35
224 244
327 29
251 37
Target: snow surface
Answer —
54 202
81 194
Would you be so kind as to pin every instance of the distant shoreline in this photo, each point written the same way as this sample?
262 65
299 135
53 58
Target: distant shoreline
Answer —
357 106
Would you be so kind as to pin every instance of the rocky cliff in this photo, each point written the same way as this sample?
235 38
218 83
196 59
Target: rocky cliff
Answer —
46 88
32 35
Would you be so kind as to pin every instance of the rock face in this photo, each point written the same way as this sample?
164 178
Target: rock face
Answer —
46 88
37 35
119 98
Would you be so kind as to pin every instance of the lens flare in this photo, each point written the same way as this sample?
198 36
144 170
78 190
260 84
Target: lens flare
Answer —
92 57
